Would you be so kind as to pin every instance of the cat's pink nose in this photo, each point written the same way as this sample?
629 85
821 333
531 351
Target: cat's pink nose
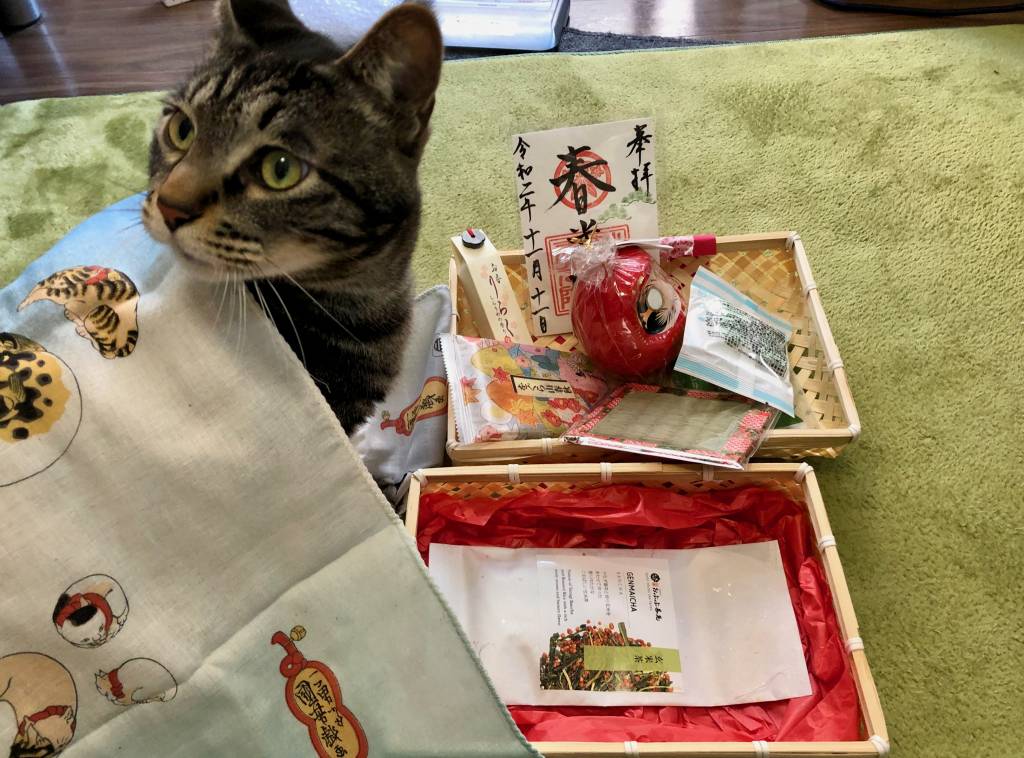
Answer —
175 215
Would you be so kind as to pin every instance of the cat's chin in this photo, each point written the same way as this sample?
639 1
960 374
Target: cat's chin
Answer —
198 268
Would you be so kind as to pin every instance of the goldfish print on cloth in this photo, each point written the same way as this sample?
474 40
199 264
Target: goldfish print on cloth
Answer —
313 696
102 302
40 408
432 401
42 696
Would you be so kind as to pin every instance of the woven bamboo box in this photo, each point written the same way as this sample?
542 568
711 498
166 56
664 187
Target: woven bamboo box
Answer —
774 271
796 480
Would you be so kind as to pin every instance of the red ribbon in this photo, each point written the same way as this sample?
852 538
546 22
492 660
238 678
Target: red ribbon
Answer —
53 710
97 277
80 601
294 661
116 688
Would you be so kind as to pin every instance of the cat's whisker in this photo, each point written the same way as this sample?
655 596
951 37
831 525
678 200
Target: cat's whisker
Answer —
223 286
316 302
232 304
264 305
243 293
239 295
129 188
132 225
287 313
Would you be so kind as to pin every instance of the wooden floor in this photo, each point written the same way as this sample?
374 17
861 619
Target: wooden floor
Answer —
85 47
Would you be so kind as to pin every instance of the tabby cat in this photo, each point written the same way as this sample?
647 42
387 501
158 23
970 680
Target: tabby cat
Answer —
289 160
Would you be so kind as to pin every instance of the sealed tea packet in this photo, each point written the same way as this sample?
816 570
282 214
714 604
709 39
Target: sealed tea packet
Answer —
736 344
516 392
705 627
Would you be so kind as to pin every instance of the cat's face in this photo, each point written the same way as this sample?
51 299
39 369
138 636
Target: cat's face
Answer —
284 155
104 687
91 633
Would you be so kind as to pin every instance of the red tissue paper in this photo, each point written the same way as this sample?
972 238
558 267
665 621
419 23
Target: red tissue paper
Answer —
633 516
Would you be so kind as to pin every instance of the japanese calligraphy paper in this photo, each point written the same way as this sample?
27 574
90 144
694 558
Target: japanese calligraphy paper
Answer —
595 180
207 509
516 392
706 627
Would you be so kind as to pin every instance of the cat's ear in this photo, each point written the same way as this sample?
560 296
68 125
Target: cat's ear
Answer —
401 57
255 23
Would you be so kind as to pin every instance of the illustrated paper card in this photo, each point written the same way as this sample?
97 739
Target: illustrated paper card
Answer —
516 392
576 183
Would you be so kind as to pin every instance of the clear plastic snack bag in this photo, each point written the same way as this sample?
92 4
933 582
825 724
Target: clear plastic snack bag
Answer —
516 392
732 342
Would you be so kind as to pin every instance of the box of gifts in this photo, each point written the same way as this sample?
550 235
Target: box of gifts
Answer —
703 546
773 271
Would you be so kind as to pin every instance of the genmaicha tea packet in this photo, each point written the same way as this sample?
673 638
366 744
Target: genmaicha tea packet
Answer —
704 626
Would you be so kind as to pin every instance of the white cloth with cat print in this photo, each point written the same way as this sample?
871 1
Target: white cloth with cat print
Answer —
206 501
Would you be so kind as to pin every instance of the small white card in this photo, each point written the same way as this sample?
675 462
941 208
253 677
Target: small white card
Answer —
596 179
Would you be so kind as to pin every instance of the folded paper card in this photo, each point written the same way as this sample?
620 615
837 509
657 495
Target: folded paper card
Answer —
709 626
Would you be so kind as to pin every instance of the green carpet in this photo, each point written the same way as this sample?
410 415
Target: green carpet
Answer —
900 159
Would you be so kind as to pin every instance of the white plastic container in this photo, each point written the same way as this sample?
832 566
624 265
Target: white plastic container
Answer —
494 24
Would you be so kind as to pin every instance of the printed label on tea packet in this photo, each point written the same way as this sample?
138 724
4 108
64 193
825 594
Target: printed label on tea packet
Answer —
609 624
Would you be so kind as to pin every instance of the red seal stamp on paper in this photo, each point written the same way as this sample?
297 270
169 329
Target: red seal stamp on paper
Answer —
582 179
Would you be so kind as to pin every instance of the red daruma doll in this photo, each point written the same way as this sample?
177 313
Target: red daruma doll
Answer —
625 311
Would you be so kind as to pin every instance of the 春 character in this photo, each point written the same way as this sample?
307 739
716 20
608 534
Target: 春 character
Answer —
91 611
102 302
137 681
42 695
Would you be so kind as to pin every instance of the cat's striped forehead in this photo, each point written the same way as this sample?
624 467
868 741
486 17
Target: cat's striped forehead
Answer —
237 108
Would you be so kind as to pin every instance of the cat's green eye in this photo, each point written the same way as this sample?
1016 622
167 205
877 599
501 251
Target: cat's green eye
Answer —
280 170
181 131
